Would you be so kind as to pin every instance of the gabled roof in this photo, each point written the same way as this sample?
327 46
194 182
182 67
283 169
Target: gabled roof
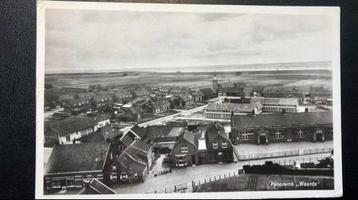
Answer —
71 125
214 131
129 160
127 140
141 146
110 132
282 120
140 132
229 107
96 187
207 92
275 101
102 117
99 97
190 137
88 156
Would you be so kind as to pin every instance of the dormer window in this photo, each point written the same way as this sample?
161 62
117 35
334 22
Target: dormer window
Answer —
224 144
215 145
184 148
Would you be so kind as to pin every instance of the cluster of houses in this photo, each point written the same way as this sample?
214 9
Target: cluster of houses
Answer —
115 157
132 102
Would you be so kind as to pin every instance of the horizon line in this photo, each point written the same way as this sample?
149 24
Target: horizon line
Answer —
176 70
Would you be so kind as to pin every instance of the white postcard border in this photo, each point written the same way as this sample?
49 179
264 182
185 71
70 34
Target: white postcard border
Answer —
334 12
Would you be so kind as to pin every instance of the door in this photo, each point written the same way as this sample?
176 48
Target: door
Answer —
262 137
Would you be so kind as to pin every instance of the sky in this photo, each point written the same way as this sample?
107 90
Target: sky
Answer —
95 40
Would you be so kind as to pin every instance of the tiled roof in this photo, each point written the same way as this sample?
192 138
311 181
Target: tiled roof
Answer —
71 125
275 101
282 120
229 107
96 187
139 131
208 92
127 140
141 145
215 130
110 132
77 157
102 117
190 137
81 100
130 161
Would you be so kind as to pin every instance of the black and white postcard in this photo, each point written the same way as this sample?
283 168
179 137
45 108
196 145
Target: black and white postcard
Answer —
142 100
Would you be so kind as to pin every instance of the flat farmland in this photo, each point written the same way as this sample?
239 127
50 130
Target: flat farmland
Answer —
193 80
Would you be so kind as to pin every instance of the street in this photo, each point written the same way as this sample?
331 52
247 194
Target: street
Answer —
201 172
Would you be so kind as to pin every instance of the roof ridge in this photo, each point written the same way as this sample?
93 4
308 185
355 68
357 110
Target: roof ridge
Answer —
134 158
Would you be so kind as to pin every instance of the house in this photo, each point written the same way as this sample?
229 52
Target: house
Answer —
161 106
102 120
68 130
218 145
277 104
96 187
65 97
185 150
131 167
224 110
321 91
197 96
163 137
102 101
187 100
109 133
284 92
145 151
165 89
179 90
270 128
207 93
122 96
71 166
142 92
248 91
77 105
230 89
132 134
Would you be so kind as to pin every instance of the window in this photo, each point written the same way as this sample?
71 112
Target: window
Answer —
244 136
113 176
278 135
300 134
56 184
224 144
184 148
123 176
215 145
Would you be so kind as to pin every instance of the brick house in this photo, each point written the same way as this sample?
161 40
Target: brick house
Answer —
185 150
71 166
270 128
218 145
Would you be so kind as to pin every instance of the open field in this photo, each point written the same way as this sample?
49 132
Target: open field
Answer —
193 79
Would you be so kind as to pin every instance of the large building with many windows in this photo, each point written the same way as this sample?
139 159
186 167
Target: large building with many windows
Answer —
277 104
289 127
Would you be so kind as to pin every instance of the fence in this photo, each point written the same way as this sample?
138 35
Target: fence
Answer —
189 187
268 155
317 150
284 154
